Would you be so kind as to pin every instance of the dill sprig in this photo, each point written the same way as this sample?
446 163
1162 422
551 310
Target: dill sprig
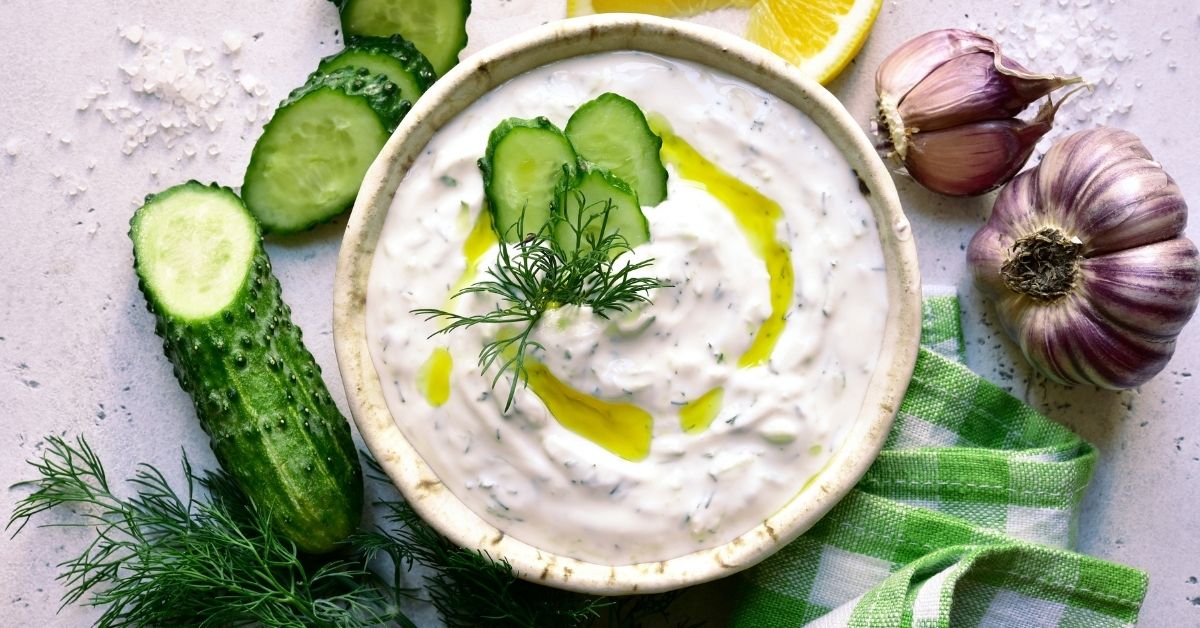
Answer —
207 556
162 558
542 274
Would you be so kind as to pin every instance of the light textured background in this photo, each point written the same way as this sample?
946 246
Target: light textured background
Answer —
77 349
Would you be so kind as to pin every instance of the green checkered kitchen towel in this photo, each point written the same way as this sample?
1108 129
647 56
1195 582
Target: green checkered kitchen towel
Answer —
963 520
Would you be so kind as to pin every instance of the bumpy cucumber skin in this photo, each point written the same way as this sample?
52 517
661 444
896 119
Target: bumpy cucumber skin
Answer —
487 166
259 396
381 94
651 192
441 65
396 47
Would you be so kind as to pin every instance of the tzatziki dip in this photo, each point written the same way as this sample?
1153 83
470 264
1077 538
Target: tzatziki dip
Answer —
689 420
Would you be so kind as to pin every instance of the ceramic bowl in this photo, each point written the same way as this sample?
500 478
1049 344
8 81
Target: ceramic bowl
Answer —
569 38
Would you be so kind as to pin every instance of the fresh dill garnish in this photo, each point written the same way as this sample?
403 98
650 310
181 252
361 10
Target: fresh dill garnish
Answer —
168 558
539 274
207 556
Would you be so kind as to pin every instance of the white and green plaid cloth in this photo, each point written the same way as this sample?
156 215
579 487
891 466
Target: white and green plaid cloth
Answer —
963 520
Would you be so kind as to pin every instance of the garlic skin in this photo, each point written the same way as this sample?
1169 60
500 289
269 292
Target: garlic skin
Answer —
1085 260
957 87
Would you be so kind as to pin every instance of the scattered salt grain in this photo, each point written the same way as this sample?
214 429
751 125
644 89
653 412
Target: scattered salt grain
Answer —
1075 38
133 34
233 42
213 150
12 147
174 89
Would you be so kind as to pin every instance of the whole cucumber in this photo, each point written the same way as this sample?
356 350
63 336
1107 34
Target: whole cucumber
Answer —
258 392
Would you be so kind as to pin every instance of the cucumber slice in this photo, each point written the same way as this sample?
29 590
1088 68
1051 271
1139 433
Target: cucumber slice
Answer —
437 27
521 169
583 200
312 156
257 391
394 57
611 132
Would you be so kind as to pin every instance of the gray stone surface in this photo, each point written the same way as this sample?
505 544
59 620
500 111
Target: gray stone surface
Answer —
78 354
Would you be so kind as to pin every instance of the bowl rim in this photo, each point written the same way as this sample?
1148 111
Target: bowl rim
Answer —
473 77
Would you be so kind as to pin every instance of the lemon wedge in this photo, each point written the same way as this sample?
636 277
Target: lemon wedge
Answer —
818 36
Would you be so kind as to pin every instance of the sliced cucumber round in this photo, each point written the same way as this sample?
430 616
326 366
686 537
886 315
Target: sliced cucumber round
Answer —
524 162
437 27
611 131
257 390
394 57
312 156
595 203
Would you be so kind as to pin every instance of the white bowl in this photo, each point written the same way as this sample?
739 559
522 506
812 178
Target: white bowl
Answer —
570 38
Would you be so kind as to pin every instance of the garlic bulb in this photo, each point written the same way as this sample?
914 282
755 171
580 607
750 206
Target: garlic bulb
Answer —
1086 261
947 106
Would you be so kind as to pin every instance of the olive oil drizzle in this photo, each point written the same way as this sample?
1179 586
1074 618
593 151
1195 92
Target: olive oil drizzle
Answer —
433 378
622 428
756 215
697 415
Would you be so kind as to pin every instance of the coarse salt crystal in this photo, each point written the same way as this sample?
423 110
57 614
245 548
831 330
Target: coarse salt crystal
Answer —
233 42
133 34
1071 37
12 147
180 88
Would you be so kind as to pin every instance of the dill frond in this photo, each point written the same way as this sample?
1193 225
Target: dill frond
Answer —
164 557
542 274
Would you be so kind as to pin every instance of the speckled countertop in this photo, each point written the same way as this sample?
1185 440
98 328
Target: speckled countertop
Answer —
77 349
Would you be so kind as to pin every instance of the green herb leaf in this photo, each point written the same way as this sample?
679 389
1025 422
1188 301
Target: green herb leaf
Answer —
159 558
541 274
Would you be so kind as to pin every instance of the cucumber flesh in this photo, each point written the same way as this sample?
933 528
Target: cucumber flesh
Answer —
393 57
437 27
582 202
311 159
611 131
257 390
197 247
524 162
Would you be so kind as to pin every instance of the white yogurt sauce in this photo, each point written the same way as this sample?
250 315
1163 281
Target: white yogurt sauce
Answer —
778 422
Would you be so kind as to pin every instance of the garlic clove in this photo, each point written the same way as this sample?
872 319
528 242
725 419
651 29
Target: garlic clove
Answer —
972 158
1111 191
916 58
1019 209
1149 289
971 88
1071 343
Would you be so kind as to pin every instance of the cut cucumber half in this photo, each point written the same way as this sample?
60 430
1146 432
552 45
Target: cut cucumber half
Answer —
582 202
394 57
312 156
524 162
437 27
611 132
257 390
195 249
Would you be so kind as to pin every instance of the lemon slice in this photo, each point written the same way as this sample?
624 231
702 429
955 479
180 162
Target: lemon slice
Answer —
818 36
